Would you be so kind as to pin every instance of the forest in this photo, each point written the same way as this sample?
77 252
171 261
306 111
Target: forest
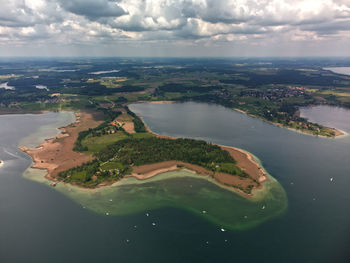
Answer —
121 156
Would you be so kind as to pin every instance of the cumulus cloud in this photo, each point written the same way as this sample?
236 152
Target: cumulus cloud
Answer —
187 22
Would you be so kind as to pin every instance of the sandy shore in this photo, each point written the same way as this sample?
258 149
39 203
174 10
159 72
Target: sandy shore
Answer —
338 132
56 154
244 160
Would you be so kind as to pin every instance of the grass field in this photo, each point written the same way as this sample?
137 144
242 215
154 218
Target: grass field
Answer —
111 166
96 144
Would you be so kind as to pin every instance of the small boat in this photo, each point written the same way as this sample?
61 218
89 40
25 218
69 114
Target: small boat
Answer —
331 179
204 212
153 224
54 184
223 230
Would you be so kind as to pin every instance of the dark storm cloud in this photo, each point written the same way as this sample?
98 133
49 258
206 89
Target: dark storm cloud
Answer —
93 9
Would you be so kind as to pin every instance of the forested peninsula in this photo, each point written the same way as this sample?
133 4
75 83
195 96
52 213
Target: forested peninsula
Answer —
104 152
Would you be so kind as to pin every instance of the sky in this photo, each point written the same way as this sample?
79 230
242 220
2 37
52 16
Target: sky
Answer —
175 28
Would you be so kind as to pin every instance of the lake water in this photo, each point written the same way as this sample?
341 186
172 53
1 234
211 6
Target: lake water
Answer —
5 86
316 226
45 224
340 70
333 117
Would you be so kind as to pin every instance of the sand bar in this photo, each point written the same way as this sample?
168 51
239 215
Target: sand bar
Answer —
56 154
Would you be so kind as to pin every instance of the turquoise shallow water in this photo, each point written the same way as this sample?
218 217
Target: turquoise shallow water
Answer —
48 226
180 189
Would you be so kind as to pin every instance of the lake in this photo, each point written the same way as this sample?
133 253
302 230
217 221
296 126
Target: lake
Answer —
46 224
339 70
333 117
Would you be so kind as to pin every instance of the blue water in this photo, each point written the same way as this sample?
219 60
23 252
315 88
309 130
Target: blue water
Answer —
39 224
317 226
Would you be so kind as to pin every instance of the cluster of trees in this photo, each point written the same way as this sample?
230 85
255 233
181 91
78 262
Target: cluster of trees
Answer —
175 87
133 151
282 76
109 115
138 123
82 173
18 96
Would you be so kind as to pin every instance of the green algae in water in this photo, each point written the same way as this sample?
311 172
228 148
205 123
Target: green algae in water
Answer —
180 189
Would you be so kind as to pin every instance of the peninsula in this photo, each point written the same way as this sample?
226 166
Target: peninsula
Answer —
92 153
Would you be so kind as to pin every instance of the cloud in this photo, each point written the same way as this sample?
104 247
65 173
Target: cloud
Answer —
93 9
185 22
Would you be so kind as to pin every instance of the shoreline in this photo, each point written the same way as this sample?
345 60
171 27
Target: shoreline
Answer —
8 111
338 133
155 101
234 152
46 157
56 154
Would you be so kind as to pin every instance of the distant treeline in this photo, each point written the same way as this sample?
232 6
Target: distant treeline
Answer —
174 87
284 76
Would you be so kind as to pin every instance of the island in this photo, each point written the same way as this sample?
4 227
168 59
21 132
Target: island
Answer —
93 153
